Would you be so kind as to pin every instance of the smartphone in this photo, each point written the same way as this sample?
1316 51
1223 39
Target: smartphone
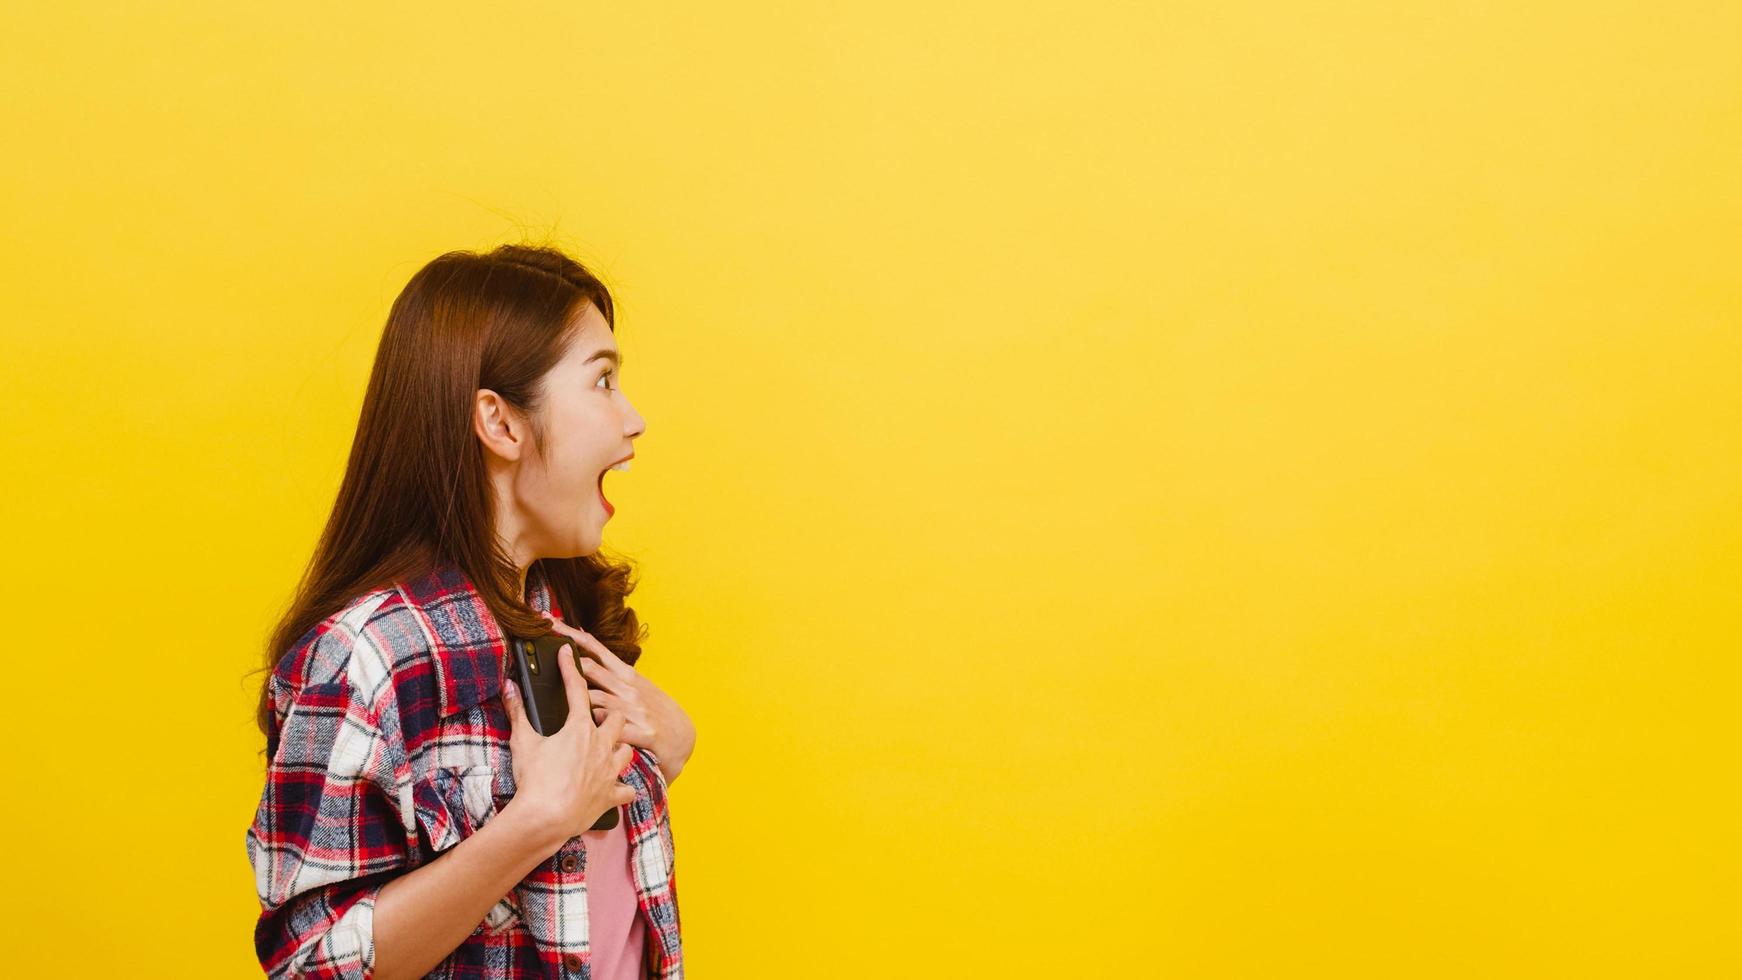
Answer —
540 679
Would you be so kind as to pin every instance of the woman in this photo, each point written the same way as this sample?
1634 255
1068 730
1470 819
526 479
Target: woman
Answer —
413 822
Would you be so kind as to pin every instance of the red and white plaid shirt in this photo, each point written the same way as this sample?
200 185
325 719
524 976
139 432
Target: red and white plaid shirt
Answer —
389 746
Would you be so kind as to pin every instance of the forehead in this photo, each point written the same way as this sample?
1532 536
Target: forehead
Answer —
589 334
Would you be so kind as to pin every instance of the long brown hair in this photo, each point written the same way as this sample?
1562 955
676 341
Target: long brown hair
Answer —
415 491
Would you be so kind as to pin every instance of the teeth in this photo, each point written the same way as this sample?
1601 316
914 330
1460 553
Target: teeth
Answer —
622 467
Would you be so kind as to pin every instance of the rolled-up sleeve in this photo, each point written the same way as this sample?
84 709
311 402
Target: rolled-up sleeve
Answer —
330 832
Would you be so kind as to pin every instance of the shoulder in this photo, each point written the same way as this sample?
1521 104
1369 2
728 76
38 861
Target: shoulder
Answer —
374 638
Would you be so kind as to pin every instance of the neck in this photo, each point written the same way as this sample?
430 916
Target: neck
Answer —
508 534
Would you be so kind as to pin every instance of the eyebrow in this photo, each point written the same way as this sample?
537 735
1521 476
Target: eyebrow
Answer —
610 355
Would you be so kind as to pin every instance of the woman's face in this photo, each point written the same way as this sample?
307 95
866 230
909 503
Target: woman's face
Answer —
588 425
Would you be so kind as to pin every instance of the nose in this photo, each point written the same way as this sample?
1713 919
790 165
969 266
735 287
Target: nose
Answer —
635 425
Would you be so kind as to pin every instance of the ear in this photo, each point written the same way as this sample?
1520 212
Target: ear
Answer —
499 427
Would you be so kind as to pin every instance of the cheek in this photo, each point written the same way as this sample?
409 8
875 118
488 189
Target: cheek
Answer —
587 436
571 466
552 481
571 479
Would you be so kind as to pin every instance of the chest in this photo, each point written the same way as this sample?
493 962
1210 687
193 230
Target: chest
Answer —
463 777
468 753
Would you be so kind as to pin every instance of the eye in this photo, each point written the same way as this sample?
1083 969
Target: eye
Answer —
608 375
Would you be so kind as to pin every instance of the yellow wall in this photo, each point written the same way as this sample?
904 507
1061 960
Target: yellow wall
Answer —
1224 489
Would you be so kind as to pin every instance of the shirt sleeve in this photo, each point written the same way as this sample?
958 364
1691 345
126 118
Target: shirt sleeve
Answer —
331 830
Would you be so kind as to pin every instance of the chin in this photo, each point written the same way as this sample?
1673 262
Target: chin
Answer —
580 549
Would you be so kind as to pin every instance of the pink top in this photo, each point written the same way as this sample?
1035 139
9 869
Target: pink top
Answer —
615 932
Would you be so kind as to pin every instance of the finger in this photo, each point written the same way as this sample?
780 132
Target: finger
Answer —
603 698
634 734
625 794
591 643
600 714
565 629
583 639
621 758
610 660
574 685
612 728
615 664
597 675
516 712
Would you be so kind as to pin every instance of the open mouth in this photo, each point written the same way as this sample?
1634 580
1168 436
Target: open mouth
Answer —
622 464
609 510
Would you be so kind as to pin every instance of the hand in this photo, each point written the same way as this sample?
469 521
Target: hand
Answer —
653 720
569 777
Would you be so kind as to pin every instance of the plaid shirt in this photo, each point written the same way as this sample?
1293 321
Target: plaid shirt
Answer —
389 746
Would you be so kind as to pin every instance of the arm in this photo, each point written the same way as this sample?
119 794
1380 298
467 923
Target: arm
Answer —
326 835
670 769
337 830
421 917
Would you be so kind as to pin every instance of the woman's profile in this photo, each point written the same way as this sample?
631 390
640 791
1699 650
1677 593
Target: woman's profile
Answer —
413 822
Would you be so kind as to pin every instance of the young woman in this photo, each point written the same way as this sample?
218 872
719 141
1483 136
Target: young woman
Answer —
413 822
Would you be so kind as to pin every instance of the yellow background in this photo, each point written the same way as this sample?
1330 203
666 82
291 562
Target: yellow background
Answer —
1221 489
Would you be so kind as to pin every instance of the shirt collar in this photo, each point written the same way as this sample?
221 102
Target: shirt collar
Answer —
470 649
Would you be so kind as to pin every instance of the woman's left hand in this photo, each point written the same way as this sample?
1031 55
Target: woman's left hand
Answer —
653 720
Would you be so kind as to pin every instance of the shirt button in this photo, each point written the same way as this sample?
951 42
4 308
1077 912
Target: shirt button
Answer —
568 863
572 961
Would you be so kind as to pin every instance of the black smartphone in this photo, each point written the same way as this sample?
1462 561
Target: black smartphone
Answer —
542 692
